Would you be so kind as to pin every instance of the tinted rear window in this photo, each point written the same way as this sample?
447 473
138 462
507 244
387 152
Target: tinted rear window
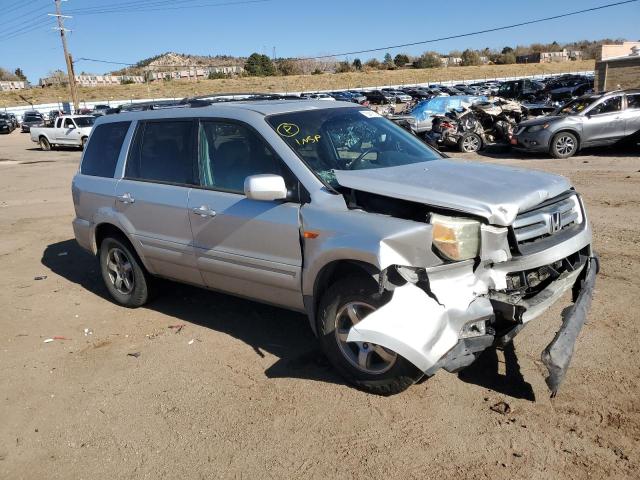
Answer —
163 151
102 152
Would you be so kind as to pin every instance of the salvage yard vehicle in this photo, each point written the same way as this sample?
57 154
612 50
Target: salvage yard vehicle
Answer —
68 130
31 119
589 121
404 261
6 123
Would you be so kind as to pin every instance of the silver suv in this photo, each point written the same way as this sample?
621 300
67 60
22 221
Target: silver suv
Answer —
589 121
405 262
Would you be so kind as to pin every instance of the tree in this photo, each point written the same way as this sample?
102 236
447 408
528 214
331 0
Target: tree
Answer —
343 67
20 74
401 60
470 57
428 60
357 64
258 65
373 63
506 50
388 62
289 66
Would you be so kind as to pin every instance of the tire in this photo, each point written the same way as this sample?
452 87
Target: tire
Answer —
45 146
469 143
385 372
83 142
119 261
563 145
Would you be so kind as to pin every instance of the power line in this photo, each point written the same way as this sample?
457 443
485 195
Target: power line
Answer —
34 13
129 4
38 26
164 8
478 32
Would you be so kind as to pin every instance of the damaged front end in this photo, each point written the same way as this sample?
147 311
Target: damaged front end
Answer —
445 316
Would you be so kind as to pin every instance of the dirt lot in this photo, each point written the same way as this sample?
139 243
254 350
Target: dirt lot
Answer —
251 397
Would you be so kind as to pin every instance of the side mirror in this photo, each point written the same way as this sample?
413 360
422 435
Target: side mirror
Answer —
266 187
72 126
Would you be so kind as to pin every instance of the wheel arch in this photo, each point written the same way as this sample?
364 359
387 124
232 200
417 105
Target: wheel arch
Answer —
106 229
328 274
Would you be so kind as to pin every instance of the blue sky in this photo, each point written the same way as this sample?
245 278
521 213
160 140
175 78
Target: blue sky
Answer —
295 28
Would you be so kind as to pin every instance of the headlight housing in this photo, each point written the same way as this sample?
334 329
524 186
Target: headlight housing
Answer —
537 128
456 238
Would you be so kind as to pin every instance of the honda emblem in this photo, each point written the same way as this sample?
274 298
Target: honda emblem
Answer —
556 222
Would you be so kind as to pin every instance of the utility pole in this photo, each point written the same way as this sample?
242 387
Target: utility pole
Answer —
67 56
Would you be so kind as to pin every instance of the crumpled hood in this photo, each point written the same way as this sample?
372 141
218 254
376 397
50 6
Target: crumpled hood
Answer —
490 191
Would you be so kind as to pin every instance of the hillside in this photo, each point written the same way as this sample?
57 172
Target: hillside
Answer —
293 83
172 61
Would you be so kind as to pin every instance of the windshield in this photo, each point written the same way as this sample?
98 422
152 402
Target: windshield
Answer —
348 139
32 117
576 106
85 121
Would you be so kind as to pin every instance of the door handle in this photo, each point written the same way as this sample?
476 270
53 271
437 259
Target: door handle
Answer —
125 198
204 211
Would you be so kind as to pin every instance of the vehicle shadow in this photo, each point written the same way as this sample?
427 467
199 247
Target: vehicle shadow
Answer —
279 332
617 151
484 372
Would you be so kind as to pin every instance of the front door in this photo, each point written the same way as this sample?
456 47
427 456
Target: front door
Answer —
604 124
246 247
68 133
153 197
632 114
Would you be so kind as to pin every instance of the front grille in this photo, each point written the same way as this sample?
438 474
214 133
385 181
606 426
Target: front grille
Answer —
547 220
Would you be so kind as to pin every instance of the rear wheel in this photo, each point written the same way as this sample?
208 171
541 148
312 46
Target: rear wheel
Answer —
123 274
563 145
369 366
470 142
44 144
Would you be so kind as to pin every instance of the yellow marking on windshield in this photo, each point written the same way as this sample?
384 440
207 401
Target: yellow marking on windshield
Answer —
288 129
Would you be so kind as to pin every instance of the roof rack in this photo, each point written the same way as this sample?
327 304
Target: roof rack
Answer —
206 100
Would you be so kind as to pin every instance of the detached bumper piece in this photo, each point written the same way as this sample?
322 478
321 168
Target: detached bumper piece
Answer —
557 356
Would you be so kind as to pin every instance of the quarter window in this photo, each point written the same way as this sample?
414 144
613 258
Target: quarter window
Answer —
230 152
633 102
101 156
163 152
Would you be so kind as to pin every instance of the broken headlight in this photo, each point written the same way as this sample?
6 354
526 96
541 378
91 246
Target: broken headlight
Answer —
456 238
537 128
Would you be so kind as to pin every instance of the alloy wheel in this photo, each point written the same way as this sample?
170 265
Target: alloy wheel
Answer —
471 143
120 271
367 357
565 145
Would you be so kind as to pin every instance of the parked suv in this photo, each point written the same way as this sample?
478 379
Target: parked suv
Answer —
588 121
405 262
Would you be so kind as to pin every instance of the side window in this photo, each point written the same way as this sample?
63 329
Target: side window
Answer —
633 102
231 152
101 156
610 105
163 151
68 123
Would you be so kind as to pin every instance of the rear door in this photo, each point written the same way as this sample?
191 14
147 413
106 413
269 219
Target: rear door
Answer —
246 247
632 114
604 124
152 197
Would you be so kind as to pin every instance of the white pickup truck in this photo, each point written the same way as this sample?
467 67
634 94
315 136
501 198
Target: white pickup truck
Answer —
67 130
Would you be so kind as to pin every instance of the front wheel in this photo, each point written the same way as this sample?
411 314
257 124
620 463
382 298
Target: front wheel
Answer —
371 367
564 145
83 142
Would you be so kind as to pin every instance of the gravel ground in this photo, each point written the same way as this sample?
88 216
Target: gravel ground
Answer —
252 397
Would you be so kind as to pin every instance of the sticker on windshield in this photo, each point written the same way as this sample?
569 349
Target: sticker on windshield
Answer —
288 129
370 113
